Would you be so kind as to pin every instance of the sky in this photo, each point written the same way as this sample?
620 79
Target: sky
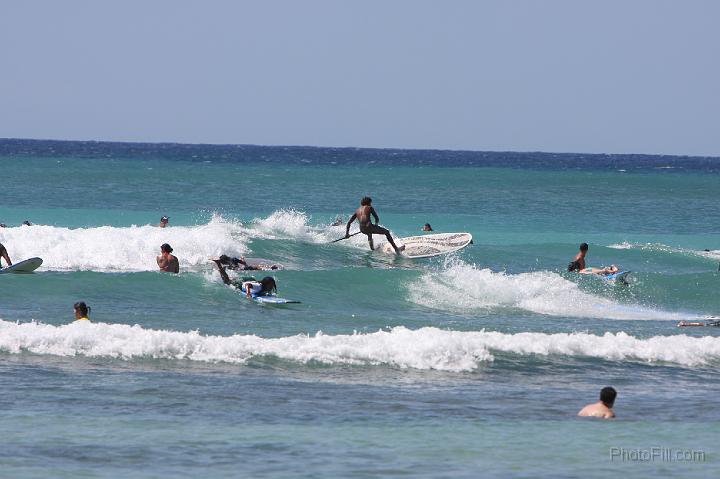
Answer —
617 76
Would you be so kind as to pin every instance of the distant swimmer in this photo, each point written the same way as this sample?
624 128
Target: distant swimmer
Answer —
163 222
26 223
363 214
166 261
241 264
3 225
265 286
578 262
427 227
602 408
4 255
82 311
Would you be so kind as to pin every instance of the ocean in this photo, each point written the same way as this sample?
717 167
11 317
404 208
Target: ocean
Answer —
473 364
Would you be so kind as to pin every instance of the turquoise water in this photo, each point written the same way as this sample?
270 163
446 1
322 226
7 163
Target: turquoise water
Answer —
469 365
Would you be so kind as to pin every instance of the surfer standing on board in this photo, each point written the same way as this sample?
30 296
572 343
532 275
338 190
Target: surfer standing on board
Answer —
362 214
4 255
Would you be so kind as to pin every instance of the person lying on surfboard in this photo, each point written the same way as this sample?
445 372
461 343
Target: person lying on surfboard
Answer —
574 266
363 214
4 255
265 286
241 264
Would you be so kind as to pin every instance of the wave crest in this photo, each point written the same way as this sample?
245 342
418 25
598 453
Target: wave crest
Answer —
424 348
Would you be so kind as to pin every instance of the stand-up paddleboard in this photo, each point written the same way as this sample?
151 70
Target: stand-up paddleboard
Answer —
619 277
27 266
426 246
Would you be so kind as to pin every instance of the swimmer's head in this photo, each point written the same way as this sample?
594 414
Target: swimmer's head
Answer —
607 396
81 309
366 201
583 247
166 248
268 284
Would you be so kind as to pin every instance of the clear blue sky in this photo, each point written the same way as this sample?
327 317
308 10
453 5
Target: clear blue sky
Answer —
639 76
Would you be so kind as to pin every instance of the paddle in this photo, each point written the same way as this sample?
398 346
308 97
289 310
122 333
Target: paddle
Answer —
345 237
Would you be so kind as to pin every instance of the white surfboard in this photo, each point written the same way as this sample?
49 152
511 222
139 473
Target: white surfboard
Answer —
426 246
26 266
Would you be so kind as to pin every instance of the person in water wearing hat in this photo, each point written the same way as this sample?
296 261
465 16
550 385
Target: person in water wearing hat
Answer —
166 261
163 222
250 287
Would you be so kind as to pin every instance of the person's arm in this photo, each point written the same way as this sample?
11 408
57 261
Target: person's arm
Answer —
162 262
350 221
4 253
223 273
375 215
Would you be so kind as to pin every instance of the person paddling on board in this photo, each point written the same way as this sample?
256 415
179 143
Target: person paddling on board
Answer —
363 214
265 286
4 255
612 269
241 264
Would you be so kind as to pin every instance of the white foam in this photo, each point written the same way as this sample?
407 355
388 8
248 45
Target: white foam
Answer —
464 288
712 254
288 224
425 348
133 248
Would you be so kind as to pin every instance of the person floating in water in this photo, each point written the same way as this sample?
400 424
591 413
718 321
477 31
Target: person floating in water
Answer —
82 311
362 215
167 262
602 408
427 227
163 222
264 287
241 264
4 255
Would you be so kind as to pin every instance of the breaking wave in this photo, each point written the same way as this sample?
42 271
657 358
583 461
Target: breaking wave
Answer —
424 348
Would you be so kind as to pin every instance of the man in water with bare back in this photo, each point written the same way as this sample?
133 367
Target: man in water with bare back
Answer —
602 408
367 227
166 261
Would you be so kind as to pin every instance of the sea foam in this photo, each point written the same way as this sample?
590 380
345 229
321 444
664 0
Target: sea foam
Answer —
461 288
424 348
134 248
